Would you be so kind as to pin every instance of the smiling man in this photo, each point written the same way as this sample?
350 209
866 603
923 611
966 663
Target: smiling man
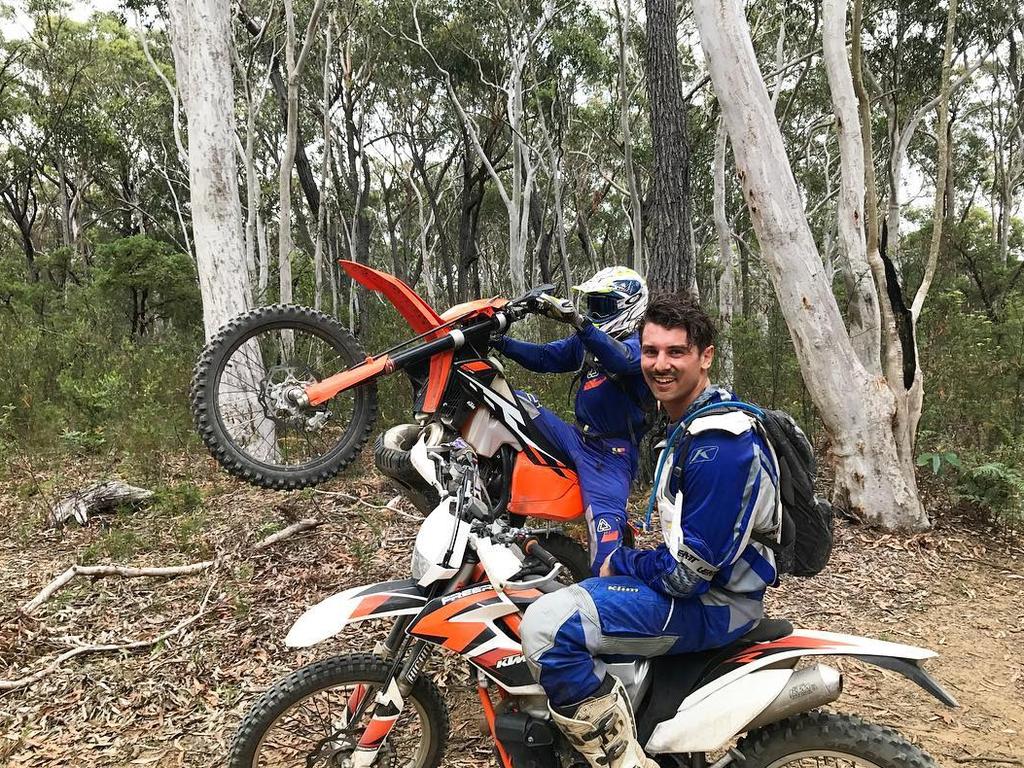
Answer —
703 587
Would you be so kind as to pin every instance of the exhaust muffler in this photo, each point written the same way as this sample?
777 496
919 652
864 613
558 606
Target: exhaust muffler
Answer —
807 688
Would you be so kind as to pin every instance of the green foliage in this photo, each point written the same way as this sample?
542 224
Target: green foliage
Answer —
82 378
939 460
996 487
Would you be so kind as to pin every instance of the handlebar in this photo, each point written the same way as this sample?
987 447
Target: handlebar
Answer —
533 547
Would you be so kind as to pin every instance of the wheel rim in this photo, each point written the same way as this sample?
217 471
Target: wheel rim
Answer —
251 400
312 733
823 758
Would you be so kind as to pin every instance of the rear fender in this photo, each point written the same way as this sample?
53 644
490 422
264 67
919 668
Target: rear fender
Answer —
333 614
905 659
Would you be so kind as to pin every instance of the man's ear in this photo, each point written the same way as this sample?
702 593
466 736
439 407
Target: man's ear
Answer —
707 357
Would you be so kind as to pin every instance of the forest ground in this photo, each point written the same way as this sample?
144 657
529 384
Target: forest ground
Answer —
958 589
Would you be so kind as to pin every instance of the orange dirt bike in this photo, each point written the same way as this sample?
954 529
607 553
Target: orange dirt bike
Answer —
284 398
473 575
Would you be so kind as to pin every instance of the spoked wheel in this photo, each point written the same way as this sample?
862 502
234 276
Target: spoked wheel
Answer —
824 740
306 719
246 398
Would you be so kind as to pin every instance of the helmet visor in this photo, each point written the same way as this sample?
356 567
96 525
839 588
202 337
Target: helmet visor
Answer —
602 306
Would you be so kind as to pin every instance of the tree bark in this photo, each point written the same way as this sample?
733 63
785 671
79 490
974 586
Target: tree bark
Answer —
726 262
857 407
670 257
624 22
864 318
201 43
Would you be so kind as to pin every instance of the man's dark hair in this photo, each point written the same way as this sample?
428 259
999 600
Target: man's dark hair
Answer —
680 310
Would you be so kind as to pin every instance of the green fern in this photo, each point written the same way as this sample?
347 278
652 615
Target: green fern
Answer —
996 487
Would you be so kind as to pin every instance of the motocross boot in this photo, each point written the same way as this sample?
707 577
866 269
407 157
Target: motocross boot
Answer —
603 731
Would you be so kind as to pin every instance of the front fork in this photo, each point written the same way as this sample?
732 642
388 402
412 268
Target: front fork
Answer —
407 656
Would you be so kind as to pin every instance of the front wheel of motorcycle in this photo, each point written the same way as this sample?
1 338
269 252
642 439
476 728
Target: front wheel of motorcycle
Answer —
244 392
305 719
828 739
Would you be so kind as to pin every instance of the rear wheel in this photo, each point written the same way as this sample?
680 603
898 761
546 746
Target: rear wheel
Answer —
391 456
819 739
304 719
244 389
570 553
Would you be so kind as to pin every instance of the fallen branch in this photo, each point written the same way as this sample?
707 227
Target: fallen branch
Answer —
391 506
987 759
174 570
10 685
97 498
109 570
356 499
284 533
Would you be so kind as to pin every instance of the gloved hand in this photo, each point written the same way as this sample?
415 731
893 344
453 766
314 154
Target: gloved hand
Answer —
558 309
496 341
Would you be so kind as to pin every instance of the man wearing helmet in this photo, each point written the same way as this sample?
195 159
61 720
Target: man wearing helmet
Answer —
611 402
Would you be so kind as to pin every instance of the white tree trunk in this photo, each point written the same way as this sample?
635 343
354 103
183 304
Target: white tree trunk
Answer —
864 317
294 61
726 262
625 22
201 42
856 406
426 248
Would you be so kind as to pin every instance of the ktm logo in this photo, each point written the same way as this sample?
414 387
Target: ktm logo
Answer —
510 661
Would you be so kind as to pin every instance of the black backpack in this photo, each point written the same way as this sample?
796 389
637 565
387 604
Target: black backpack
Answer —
807 520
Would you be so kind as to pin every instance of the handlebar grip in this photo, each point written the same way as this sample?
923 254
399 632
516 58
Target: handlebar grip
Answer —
533 547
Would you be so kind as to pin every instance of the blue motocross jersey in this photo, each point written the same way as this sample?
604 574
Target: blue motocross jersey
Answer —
718 488
603 406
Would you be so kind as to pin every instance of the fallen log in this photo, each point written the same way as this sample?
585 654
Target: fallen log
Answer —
99 497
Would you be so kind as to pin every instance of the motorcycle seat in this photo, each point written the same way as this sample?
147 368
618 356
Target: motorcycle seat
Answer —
676 677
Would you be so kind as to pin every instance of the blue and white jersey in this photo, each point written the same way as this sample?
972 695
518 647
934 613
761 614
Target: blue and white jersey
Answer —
717 488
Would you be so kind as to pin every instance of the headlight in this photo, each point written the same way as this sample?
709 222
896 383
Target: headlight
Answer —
420 565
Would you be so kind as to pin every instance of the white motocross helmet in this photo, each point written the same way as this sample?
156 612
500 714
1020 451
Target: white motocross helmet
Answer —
614 300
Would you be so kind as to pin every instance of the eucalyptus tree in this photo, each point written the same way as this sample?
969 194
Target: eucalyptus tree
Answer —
201 45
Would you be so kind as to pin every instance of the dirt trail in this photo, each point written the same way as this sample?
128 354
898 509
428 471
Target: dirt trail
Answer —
178 703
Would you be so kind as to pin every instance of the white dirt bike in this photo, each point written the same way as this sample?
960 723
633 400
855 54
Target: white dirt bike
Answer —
473 576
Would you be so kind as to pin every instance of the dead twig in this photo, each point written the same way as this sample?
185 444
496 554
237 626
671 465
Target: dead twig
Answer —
22 682
987 759
109 570
390 506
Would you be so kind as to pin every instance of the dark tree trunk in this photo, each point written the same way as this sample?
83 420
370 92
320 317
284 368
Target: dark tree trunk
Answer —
474 178
22 206
670 260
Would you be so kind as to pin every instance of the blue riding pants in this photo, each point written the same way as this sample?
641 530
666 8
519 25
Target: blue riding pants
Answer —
571 634
606 467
